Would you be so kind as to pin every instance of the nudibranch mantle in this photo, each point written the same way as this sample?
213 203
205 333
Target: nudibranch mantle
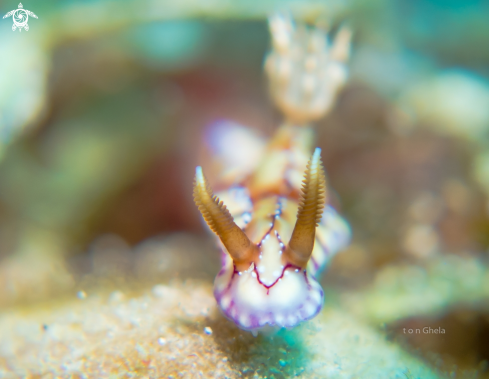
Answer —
293 296
269 292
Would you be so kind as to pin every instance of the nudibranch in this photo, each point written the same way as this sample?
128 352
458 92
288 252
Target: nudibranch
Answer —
276 230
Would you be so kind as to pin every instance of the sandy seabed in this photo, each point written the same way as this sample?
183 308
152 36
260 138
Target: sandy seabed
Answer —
176 331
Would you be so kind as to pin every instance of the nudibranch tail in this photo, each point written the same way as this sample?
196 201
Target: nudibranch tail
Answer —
311 207
217 216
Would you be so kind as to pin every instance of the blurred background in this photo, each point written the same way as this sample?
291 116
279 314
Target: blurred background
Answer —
104 107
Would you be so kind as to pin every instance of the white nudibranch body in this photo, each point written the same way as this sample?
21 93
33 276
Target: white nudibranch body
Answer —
276 230
271 292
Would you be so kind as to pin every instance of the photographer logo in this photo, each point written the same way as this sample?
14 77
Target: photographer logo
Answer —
20 17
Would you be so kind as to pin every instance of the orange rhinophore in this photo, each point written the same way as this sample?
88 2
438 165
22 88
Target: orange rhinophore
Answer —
311 206
216 215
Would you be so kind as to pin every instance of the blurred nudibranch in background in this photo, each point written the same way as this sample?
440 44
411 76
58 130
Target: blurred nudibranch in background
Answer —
276 230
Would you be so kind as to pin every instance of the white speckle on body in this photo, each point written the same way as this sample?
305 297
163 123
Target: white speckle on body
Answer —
279 319
243 319
226 301
309 308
